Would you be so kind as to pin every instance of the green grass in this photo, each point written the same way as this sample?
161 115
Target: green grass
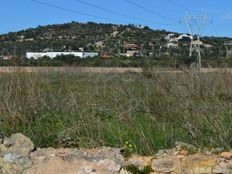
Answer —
90 110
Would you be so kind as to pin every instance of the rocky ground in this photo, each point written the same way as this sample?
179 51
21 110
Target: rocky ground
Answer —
19 156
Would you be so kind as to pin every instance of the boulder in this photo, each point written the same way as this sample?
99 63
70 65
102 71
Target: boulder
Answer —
19 144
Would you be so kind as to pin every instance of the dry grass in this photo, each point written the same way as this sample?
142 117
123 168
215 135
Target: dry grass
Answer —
150 110
69 70
119 70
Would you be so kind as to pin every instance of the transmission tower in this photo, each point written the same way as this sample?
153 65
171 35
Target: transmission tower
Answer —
195 33
228 46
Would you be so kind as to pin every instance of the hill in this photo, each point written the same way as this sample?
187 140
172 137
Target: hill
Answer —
109 40
74 35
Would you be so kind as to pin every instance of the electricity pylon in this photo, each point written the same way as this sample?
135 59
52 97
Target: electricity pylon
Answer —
195 45
228 46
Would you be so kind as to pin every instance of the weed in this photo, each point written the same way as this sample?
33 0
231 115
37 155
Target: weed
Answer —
135 170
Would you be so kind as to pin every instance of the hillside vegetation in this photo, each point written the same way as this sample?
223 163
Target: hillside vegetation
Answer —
109 40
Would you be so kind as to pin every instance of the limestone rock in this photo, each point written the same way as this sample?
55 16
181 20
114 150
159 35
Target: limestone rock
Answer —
70 161
17 157
184 152
223 167
19 144
13 164
199 164
226 155
164 165
10 157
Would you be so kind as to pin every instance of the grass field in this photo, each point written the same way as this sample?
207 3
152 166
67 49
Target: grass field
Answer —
150 110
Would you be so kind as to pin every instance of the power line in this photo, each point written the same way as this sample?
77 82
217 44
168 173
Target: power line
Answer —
150 11
179 5
183 7
72 11
214 28
119 14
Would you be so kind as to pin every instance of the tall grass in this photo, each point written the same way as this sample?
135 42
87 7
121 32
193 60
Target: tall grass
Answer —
151 111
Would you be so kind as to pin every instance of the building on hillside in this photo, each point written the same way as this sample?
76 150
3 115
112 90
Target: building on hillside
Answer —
130 50
106 55
81 49
171 38
171 45
36 55
8 57
172 41
208 45
130 53
131 46
184 37
197 42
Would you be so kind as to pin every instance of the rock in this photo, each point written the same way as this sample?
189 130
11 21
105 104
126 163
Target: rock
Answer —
216 150
184 146
3 149
226 155
14 154
166 152
113 154
56 164
1 140
184 152
223 167
20 160
111 165
87 161
9 168
12 164
164 165
19 144
181 157
17 157
198 164
10 157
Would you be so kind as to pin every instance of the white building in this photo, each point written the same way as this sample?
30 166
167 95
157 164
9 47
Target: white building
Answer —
36 55
172 45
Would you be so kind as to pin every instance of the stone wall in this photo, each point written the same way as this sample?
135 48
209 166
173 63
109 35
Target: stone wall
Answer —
19 156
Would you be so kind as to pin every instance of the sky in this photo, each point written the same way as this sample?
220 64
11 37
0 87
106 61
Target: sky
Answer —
16 15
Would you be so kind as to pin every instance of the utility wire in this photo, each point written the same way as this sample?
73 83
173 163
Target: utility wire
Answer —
214 28
150 11
178 5
119 14
183 7
72 11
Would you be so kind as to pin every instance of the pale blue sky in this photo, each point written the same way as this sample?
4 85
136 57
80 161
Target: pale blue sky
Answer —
21 14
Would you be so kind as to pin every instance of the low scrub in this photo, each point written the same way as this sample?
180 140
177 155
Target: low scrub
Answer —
89 110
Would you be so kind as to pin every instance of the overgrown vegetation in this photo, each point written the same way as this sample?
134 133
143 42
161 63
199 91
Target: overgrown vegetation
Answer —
88 110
